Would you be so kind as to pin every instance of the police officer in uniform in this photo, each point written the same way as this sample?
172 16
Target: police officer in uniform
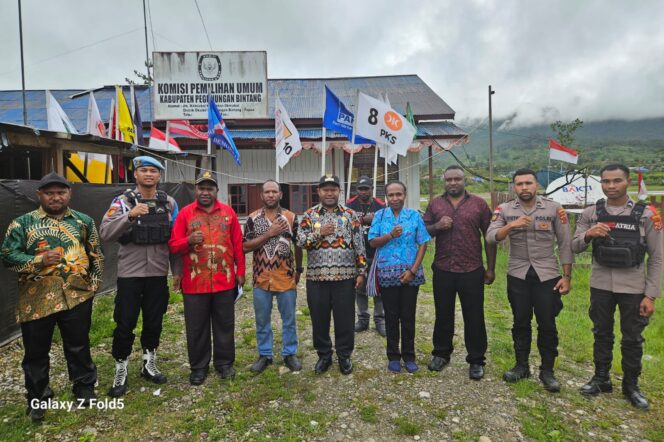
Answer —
140 220
622 233
534 284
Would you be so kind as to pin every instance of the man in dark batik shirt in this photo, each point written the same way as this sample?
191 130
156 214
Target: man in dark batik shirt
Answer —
457 219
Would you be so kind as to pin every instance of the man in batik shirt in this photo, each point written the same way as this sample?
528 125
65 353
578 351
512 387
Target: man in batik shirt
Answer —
56 252
336 267
269 234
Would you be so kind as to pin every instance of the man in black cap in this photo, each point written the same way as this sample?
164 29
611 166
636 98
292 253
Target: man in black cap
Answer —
140 220
336 267
365 205
57 254
208 237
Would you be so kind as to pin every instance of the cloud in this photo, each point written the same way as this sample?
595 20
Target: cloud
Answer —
593 60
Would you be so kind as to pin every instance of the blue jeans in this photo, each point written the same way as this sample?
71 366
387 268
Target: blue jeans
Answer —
263 310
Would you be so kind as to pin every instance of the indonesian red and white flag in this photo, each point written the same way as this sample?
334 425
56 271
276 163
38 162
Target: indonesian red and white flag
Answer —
562 153
158 142
643 191
95 127
184 129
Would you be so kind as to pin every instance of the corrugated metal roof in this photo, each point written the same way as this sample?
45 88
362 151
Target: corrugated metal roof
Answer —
441 128
302 97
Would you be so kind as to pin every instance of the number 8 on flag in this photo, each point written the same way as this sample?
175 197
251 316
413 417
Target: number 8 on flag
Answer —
377 121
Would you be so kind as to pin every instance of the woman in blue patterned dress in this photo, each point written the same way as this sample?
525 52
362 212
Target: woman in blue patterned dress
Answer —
400 237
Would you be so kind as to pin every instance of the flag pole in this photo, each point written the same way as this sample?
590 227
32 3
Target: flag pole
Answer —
20 34
349 179
117 113
276 160
387 150
375 169
324 146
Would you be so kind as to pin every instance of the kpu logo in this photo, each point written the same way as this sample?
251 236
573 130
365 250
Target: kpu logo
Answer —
209 67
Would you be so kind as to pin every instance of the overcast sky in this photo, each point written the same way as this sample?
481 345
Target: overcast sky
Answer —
594 60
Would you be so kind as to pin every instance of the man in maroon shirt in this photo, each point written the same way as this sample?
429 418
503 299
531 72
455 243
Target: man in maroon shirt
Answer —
457 219
208 236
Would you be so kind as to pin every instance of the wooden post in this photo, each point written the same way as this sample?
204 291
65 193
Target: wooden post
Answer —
430 173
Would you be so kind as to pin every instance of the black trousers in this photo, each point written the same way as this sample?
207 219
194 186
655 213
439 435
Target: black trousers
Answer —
202 312
400 304
74 325
602 309
532 295
337 298
135 295
470 287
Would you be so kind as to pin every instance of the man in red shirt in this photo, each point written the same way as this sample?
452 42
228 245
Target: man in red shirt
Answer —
208 236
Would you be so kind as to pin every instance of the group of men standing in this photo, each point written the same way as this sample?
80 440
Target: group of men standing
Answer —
57 253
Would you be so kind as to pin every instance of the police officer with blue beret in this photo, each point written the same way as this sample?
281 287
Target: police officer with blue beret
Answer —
140 220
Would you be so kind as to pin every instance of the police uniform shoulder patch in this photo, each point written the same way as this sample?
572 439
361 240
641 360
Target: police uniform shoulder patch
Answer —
496 213
562 215
656 218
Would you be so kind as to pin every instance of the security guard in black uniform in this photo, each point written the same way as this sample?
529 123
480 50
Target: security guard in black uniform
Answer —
622 233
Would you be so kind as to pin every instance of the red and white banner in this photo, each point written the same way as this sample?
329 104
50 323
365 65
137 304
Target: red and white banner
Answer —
184 129
158 141
562 153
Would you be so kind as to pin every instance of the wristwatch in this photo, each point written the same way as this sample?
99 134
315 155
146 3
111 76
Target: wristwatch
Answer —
568 276
299 269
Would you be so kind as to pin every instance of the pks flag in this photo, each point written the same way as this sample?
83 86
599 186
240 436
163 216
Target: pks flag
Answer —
286 135
562 153
378 121
338 118
217 131
95 123
158 141
57 118
391 156
125 122
138 122
185 129
643 191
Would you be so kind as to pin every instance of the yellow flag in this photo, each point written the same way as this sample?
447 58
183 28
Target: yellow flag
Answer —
125 122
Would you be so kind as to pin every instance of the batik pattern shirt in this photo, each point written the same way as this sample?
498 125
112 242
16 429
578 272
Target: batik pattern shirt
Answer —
44 291
273 263
399 254
335 257
213 265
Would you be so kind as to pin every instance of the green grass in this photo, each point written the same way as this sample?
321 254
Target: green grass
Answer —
368 413
575 348
406 426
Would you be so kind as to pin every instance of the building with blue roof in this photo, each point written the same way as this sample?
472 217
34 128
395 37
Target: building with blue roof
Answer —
303 98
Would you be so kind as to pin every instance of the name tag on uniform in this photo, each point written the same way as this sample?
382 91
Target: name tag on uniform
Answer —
543 226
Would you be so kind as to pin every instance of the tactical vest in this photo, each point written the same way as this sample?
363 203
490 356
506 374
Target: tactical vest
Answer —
153 228
624 247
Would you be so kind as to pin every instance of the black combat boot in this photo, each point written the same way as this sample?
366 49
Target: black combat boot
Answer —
631 390
549 381
599 383
520 371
